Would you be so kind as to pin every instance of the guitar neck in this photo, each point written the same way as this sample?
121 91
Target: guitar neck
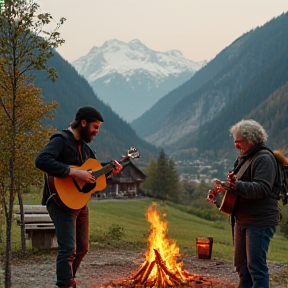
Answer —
106 169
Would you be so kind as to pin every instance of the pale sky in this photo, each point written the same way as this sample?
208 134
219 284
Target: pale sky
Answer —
200 29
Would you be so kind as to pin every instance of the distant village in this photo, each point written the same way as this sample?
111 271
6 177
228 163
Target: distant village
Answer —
203 170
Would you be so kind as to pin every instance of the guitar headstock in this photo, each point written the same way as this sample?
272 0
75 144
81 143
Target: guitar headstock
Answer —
133 153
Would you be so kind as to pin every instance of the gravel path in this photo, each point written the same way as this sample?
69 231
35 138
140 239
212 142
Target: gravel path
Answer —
98 269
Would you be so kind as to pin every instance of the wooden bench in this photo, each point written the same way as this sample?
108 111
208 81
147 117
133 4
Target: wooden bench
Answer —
38 226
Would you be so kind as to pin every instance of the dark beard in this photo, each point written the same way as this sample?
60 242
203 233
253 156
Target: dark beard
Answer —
85 133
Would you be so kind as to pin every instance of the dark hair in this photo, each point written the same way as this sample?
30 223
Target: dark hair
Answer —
88 113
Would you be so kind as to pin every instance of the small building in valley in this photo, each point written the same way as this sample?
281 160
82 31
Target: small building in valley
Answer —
124 184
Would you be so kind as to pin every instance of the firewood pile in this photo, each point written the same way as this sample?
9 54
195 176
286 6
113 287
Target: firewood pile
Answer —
192 284
162 277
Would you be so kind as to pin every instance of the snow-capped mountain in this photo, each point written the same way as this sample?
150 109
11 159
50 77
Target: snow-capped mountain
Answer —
131 78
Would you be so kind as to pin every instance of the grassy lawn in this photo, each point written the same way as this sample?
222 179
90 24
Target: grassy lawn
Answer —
183 228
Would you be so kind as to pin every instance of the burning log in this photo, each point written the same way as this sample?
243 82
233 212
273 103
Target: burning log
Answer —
163 276
145 273
163 269
138 274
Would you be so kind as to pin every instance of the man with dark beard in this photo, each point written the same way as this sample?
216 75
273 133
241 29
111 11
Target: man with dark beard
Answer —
69 148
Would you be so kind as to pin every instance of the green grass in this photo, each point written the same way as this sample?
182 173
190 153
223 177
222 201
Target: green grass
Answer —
183 228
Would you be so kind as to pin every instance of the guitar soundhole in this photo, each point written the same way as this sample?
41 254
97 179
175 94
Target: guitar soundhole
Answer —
88 187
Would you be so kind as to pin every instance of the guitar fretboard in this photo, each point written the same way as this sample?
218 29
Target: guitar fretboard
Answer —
102 171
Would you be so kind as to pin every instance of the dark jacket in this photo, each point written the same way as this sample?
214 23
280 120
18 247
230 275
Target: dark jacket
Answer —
58 154
255 206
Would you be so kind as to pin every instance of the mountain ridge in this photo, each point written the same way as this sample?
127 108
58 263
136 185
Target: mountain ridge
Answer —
141 74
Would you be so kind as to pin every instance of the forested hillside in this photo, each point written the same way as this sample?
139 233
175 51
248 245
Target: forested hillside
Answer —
233 86
261 100
161 110
273 113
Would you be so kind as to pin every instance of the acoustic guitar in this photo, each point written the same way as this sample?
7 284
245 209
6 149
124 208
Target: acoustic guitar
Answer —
228 198
75 193
228 202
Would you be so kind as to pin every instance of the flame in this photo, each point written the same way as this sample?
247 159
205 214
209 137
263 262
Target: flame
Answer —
160 268
158 240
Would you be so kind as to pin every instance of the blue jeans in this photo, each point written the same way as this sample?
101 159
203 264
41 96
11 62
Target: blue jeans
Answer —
73 240
250 255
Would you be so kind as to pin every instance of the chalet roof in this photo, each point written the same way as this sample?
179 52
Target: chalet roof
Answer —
129 174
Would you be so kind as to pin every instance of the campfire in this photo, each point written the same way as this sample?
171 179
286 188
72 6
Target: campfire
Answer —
160 268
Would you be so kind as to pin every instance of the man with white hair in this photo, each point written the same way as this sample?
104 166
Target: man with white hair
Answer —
255 213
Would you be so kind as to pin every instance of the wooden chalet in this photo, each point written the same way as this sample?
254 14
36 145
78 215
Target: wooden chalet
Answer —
124 184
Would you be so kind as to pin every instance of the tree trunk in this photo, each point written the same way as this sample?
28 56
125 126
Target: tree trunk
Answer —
22 225
8 258
2 221
8 240
10 213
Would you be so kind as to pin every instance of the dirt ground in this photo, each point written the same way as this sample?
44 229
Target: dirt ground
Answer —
107 268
